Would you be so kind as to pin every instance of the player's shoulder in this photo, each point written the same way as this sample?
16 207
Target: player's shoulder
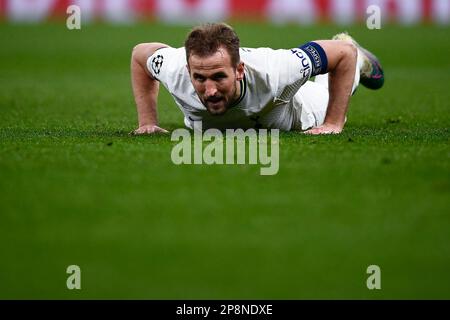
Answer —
169 50
250 52
261 54
169 53
166 59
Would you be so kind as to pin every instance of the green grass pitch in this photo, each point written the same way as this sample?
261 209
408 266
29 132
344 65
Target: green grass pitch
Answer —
75 188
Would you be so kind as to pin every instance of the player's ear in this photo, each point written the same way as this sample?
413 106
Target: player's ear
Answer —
240 71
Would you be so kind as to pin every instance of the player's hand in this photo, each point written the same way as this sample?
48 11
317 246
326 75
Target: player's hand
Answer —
325 129
149 129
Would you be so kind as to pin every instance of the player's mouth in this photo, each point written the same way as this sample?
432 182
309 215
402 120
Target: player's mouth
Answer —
216 105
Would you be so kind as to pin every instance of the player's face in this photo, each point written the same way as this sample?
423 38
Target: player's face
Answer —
215 80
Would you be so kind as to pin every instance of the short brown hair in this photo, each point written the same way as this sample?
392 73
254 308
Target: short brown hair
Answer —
206 39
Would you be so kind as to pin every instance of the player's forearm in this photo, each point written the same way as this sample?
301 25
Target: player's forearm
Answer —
145 90
340 85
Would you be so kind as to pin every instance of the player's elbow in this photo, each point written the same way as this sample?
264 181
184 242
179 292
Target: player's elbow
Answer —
345 55
137 47
138 51
140 54
339 53
146 49
349 51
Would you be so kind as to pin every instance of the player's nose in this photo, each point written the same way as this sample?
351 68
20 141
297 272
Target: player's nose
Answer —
211 89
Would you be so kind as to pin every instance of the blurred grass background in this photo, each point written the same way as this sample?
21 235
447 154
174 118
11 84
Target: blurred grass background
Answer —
76 189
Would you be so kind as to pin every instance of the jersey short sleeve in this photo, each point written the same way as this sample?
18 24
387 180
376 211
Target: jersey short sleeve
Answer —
167 65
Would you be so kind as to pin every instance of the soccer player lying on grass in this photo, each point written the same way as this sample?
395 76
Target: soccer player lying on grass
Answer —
215 81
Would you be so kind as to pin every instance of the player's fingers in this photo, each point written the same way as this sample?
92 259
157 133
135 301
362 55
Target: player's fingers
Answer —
316 131
148 130
137 132
311 131
162 130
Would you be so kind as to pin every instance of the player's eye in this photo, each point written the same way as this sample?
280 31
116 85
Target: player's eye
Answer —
199 78
219 77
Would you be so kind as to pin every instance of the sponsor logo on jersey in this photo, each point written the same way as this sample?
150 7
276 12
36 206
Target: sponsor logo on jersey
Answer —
306 69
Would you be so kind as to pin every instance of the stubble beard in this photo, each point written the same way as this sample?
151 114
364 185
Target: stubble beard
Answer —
228 104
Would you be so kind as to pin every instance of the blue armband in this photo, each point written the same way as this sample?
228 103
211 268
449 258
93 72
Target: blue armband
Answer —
317 56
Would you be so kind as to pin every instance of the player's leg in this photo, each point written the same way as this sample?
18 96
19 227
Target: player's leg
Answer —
372 75
312 100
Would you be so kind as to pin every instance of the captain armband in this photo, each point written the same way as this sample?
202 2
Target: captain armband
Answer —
317 56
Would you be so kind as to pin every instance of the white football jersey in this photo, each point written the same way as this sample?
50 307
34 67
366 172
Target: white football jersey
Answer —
268 98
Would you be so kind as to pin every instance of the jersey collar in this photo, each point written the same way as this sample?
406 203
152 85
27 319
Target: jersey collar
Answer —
243 84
